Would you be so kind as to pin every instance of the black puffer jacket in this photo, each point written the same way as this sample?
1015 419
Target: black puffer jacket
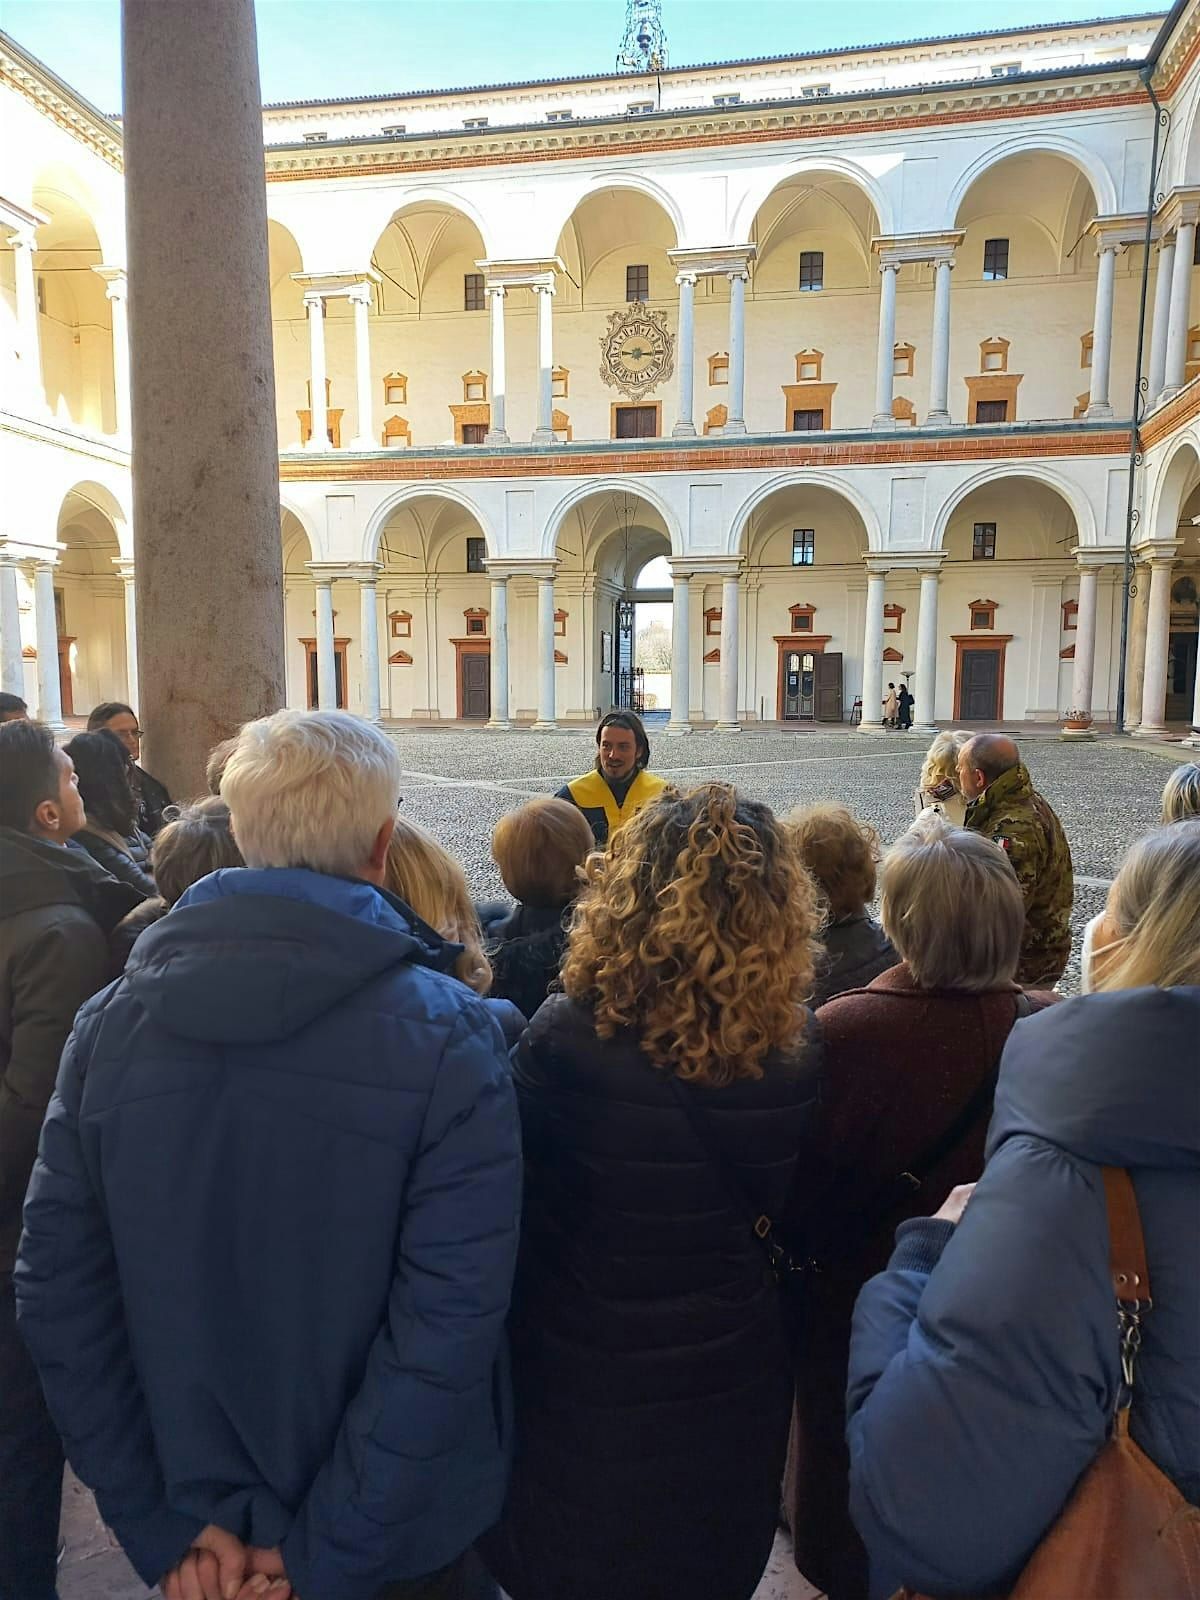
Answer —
856 951
126 859
525 947
652 1381
152 799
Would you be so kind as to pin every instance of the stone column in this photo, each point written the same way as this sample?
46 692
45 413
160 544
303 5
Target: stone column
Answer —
496 433
318 439
360 298
1158 640
885 361
872 691
126 570
500 691
544 432
46 622
1135 655
927 642
735 421
28 336
1193 738
681 690
206 489
115 290
12 663
326 658
368 611
1157 374
1080 709
685 426
939 369
1102 320
546 708
1181 294
727 721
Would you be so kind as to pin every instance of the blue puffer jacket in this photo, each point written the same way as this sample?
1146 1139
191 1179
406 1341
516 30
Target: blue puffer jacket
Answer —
982 1385
271 1234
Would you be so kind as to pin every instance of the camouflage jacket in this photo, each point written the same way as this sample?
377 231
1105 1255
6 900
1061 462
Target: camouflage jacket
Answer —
1011 812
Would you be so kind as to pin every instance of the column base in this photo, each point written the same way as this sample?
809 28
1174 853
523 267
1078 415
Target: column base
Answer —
55 724
496 436
735 425
1098 413
499 724
1192 742
317 447
543 727
542 436
361 445
727 727
872 727
684 430
883 422
1148 730
678 728
924 727
1078 735
1168 392
937 419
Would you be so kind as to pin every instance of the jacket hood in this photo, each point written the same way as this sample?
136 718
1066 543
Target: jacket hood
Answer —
35 873
1109 1077
250 957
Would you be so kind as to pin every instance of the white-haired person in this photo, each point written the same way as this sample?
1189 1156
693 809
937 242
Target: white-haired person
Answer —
937 788
986 1364
1181 793
270 1238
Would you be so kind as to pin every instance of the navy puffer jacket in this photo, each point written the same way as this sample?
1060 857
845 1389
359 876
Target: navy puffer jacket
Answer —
982 1384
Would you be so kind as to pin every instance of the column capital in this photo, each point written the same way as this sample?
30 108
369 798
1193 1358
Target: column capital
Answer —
324 572
496 291
683 568
922 562
1098 556
528 272
30 552
125 567
519 567
713 567
688 277
360 294
1181 207
336 285
878 566
116 283
1113 232
22 223
714 261
895 249
1157 552
364 572
314 300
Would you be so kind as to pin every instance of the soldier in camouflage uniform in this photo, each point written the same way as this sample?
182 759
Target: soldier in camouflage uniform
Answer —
1004 806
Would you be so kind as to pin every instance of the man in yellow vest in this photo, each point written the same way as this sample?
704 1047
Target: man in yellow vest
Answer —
620 784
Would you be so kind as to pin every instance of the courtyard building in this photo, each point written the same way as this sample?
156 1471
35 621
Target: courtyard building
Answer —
831 355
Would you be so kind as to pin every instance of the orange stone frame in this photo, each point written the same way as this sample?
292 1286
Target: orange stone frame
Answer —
808 397
340 647
632 405
715 418
993 386
808 644
464 415
893 619
979 641
396 428
712 623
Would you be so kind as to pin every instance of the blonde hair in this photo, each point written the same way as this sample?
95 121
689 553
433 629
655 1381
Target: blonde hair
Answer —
196 842
941 759
1155 903
311 789
1181 796
218 760
841 853
421 873
953 908
538 848
699 935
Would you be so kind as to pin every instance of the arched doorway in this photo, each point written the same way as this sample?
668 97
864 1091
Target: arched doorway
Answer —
89 602
74 315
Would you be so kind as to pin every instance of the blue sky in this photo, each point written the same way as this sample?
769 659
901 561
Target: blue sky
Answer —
318 49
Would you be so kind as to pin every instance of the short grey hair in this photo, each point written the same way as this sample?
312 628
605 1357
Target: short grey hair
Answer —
953 908
311 789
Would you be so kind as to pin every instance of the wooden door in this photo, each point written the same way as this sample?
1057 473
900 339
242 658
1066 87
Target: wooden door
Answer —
475 685
829 686
979 691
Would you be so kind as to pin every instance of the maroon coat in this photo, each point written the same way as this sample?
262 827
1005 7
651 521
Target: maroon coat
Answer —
901 1063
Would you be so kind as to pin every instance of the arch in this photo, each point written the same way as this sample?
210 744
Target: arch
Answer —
795 480
69 184
756 196
374 221
1179 475
601 181
384 512
1104 189
600 486
101 499
307 526
1077 502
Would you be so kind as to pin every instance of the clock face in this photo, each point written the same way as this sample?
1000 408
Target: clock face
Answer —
637 351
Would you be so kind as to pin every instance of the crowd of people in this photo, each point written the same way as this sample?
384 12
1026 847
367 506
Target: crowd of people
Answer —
362 1242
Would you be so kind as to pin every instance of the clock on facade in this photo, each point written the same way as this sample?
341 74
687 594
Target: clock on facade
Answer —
637 350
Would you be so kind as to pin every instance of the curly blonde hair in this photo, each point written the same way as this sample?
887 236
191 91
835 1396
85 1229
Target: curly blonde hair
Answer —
941 759
841 852
421 874
699 935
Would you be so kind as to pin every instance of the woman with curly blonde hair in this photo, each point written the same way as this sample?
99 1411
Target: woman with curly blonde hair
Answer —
676 1072
938 785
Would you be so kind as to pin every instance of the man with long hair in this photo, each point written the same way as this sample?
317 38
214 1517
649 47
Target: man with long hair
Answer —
619 785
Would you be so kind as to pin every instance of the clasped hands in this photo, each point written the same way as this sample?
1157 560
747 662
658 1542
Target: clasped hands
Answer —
220 1567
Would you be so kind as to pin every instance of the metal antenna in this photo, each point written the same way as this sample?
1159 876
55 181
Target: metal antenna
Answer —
643 46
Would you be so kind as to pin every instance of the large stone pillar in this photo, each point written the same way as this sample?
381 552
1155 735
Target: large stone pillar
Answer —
46 622
872 691
500 691
1106 271
685 425
496 433
1083 671
680 663
206 488
126 570
115 290
544 432
12 662
546 722
735 406
1157 373
927 641
939 367
1181 294
885 357
360 298
368 609
1158 641
727 721
318 438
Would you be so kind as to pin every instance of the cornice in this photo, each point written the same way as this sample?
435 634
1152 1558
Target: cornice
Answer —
1168 419
56 100
1175 61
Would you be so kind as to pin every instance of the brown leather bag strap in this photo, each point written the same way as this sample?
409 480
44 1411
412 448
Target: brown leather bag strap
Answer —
1127 1246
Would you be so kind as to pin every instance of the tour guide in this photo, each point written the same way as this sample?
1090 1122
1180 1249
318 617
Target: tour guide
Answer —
620 784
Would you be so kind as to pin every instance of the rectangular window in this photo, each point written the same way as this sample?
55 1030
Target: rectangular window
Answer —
472 291
991 411
637 282
981 620
727 99
995 260
559 116
474 433
812 269
803 547
983 543
802 621
808 421
814 91
475 122
315 138
394 130
476 549
1006 69
637 422
639 108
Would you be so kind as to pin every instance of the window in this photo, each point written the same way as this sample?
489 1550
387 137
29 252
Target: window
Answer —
808 421
476 624
991 411
815 91
712 623
474 433
983 542
808 371
472 291
401 622
1006 69
559 116
639 108
637 282
803 547
395 389
559 379
475 122
476 550
995 259
315 138
474 387
802 622
812 269
981 619
727 99
718 368
394 130
636 422
983 616
902 360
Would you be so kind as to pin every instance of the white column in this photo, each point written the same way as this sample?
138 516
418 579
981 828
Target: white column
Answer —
116 287
545 719
939 370
319 438
1157 374
368 611
1135 659
872 690
735 404
12 665
360 298
1193 738
727 721
1181 294
1158 641
28 337
1106 270
496 434
125 567
544 432
685 425
885 362
1084 666
925 693
326 665
49 692
500 717
680 664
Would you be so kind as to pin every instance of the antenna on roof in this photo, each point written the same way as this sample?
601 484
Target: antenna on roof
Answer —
643 46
